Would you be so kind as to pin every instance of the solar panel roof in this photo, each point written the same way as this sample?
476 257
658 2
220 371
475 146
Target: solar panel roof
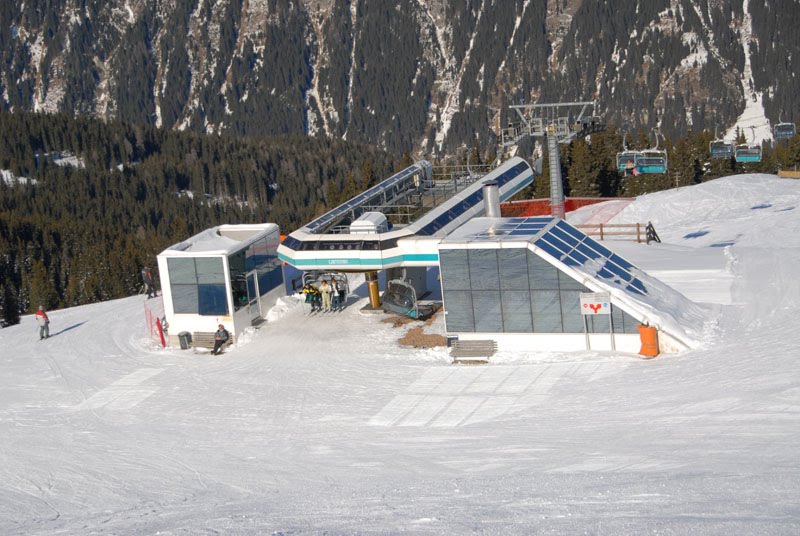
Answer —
492 229
574 248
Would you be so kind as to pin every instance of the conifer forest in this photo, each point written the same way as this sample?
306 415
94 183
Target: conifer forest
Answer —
84 204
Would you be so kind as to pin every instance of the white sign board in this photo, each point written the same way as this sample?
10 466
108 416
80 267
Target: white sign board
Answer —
595 303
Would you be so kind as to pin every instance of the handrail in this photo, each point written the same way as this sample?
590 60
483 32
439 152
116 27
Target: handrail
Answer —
632 230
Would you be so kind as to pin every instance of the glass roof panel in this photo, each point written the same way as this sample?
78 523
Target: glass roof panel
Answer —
574 248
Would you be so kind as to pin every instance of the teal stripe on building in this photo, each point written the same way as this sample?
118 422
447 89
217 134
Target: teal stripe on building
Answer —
431 258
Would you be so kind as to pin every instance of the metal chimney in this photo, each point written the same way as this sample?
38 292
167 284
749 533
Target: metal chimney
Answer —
491 199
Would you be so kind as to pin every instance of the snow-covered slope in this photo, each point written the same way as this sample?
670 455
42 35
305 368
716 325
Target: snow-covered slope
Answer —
324 424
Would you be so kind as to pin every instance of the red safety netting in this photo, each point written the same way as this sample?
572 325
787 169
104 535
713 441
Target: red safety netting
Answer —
155 321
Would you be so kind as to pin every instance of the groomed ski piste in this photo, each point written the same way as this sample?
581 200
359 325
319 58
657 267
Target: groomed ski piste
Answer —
324 424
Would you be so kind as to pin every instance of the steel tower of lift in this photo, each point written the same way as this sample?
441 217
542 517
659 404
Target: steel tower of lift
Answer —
558 124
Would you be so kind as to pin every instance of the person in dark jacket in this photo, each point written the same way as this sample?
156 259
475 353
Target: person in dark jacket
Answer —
147 279
342 290
220 338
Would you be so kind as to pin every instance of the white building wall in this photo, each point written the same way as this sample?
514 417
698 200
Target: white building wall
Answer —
561 342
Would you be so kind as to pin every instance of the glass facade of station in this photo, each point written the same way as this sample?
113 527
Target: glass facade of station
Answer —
198 283
513 290
262 258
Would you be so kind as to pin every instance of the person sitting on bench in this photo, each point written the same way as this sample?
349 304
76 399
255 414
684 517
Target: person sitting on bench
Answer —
220 338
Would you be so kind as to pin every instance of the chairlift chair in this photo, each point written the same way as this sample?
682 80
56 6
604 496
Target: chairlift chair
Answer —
652 160
400 297
785 131
719 148
749 152
626 159
315 277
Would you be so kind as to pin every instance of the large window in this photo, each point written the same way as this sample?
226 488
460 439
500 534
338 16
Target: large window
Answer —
488 311
454 269
517 311
458 308
514 269
483 270
238 273
546 311
513 290
261 256
198 286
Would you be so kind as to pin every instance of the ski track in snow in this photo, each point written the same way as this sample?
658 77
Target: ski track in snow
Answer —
324 424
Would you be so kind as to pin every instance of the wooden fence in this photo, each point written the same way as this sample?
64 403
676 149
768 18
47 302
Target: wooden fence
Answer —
615 231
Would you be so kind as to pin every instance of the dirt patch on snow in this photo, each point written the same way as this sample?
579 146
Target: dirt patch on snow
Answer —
417 338
397 321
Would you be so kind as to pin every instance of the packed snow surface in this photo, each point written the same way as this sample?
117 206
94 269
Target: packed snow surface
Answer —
324 424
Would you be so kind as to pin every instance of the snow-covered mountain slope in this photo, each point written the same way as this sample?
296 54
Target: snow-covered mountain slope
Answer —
324 424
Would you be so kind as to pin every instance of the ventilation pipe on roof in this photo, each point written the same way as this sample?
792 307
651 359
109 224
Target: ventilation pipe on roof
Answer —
491 199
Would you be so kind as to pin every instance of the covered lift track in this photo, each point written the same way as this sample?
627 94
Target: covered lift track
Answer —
424 208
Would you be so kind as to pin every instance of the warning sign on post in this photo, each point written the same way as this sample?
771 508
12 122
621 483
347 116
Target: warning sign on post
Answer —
595 303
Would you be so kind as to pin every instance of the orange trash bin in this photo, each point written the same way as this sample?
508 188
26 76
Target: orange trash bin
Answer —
649 337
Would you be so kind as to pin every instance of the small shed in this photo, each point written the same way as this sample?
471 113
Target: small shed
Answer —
229 274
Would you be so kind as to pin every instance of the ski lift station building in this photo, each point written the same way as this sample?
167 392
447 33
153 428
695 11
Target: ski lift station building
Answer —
517 281
520 282
229 274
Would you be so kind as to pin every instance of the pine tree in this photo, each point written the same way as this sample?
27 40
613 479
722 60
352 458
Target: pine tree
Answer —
41 287
581 174
10 306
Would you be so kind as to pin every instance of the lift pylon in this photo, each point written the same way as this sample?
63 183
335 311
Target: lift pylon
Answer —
558 124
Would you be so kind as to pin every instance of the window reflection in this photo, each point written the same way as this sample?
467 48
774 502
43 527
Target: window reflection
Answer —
198 286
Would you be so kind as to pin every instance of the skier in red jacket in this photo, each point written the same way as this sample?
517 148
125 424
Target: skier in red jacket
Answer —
44 323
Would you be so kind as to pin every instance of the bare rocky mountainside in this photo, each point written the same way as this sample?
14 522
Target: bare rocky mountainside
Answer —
422 76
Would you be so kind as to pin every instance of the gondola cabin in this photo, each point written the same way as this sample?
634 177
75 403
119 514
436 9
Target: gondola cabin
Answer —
748 153
652 161
721 149
785 131
626 161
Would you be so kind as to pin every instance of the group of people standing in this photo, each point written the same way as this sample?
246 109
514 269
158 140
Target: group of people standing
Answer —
328 297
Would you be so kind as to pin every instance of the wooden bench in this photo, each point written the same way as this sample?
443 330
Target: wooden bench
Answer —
472 352
205 339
